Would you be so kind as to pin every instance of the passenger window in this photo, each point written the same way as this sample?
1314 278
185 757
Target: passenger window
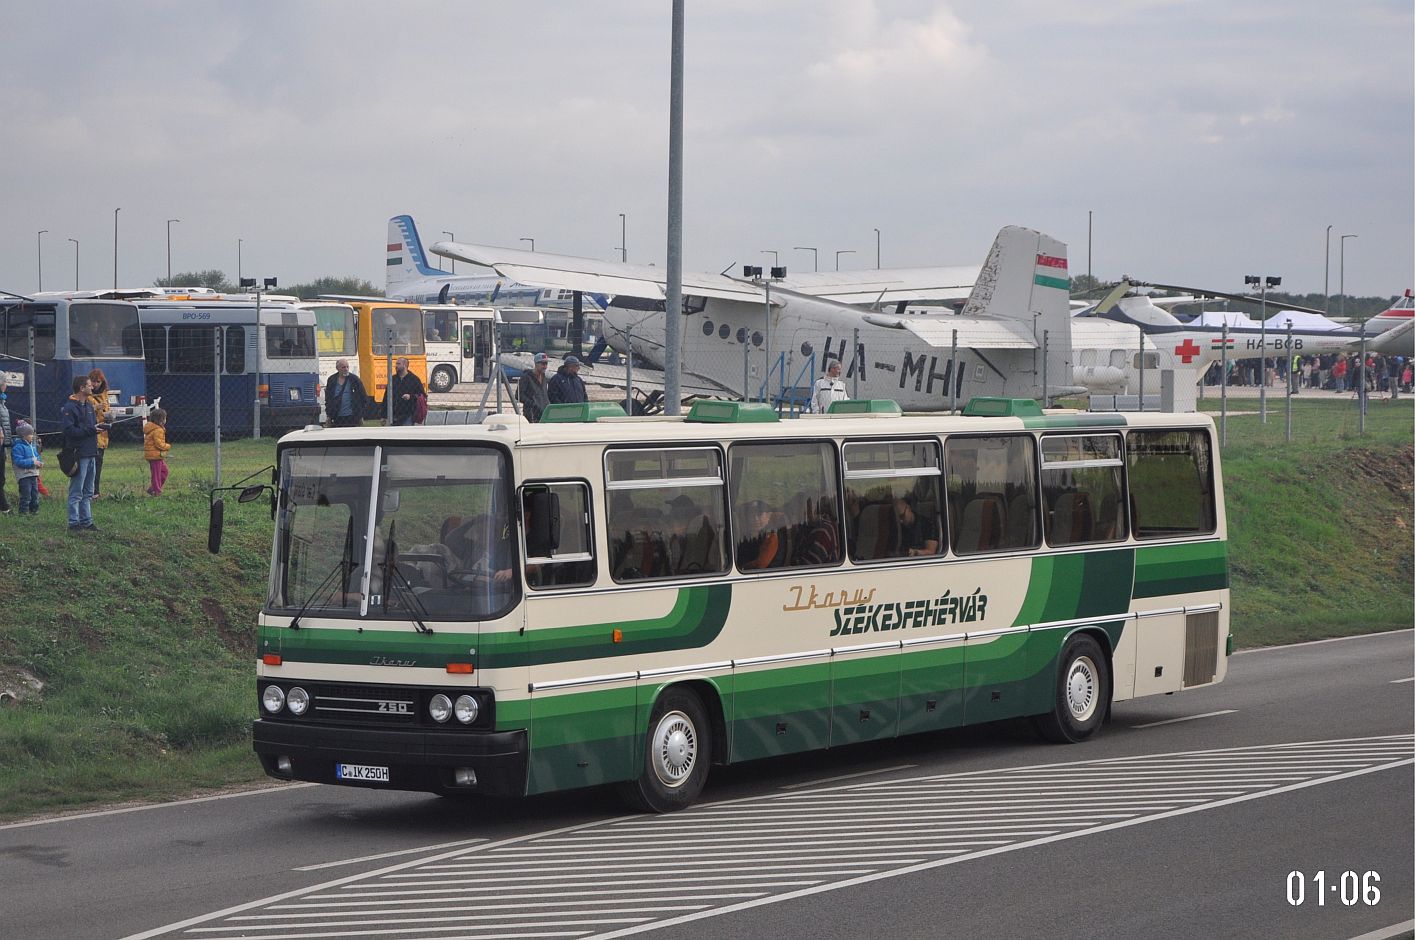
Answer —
1081 489
666 514
783 505
892 505
571 563
992 493
1171 483
235 350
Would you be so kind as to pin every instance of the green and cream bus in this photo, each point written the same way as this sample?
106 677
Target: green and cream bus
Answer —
513 608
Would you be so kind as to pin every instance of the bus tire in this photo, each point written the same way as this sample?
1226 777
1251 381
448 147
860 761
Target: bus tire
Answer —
442 379
1081 698
677 753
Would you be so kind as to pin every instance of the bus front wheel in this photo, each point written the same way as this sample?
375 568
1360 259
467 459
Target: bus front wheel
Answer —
1082 694
442 379
677 752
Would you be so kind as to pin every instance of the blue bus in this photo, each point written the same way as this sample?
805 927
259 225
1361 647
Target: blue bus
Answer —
72 336
269 359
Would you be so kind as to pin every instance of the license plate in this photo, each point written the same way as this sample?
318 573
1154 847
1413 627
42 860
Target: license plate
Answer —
362 772
294 394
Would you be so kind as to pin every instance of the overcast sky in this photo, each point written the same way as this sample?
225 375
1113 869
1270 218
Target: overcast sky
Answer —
1211 138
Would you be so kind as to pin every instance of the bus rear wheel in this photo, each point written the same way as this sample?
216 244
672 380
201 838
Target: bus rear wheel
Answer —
1082 694
677 752
442 379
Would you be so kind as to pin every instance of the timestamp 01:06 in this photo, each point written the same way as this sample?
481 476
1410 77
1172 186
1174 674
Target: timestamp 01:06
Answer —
1348 887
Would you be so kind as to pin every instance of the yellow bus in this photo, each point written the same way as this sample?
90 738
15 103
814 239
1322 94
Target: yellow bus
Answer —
382 327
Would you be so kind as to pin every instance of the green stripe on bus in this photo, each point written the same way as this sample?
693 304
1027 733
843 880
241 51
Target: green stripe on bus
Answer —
1181 569
369 648
1046 422
696 619
1067 587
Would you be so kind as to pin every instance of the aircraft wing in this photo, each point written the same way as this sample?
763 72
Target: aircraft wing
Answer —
886 285
590 275
649 380
973 332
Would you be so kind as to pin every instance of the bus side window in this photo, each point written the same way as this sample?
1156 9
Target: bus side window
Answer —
1171 483
784 505
571 562
992 492
666 513
892 500
1081 488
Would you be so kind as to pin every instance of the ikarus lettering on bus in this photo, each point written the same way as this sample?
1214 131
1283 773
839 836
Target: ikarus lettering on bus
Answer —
854 611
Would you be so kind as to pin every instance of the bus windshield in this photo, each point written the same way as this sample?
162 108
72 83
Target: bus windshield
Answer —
289 342
442 545
109 331
406 324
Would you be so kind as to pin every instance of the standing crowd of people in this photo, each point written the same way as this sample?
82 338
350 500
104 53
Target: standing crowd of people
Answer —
1337 372
83 441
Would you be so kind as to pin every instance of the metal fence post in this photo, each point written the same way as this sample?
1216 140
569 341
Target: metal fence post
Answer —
216 398
1291 378
1223 390
255 419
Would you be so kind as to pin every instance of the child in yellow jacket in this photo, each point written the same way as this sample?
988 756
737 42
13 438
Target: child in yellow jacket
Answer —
155 448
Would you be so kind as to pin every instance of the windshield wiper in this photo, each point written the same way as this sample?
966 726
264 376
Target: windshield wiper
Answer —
344 566
396 580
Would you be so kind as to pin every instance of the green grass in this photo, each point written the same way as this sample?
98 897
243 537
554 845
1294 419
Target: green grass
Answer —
146 642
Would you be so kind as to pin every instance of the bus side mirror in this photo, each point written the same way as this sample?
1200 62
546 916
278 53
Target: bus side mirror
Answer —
214 526
251 493
542 523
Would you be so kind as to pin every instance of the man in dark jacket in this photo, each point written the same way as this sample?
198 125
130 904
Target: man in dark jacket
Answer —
567 386
532 391
406 388
345 401
81 429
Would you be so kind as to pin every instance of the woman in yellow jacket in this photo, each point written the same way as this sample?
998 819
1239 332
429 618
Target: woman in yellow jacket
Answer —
98 397
155 448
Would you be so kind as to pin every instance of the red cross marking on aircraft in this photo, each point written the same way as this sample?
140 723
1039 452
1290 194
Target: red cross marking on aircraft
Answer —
1186 351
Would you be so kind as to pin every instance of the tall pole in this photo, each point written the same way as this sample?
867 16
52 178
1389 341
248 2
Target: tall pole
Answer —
76 262
531 240
673 303
1342 287
623 238
39 253
216 396
843 251
238 260
115 273
876 249
1263 351
1089 214
774 261
815 265
169 250
1290 379
1326 275
451 237
1223 388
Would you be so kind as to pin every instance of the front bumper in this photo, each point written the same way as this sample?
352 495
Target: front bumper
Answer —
416 760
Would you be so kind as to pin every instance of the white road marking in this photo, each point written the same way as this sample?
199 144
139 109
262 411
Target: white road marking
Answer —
1171 721
1334 639
624 876
863 773
1386 933
1398 681
374 858
138 809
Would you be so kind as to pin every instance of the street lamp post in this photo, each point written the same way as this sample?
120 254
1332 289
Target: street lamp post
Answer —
1341 284
764 279
623 238
531 240
814 265
876 249
774 260
451 237
1263 283
115 246
842 251
169 250
1326 276
76 262
39 253
238 259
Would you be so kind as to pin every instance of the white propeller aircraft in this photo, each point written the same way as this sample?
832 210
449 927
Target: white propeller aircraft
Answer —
754 338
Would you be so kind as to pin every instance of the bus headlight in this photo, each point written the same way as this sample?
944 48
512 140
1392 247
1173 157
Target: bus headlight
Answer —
440 708
273 698
298 701
467 709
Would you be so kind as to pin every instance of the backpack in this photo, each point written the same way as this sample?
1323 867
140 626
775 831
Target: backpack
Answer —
419 409
69 461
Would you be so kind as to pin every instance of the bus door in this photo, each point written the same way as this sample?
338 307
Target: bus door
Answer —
476 349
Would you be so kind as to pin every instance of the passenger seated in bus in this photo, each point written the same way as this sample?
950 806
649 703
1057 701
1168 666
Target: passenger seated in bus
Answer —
820 542
481 550
918 536
764 537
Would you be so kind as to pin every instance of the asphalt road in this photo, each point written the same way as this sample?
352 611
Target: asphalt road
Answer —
1185 818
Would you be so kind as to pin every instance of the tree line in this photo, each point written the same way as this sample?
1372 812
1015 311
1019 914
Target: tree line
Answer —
218 281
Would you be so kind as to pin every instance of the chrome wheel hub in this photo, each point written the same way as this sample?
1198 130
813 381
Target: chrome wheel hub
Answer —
675 749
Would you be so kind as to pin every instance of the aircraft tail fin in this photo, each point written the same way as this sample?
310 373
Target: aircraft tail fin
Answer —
1025 278
406 259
